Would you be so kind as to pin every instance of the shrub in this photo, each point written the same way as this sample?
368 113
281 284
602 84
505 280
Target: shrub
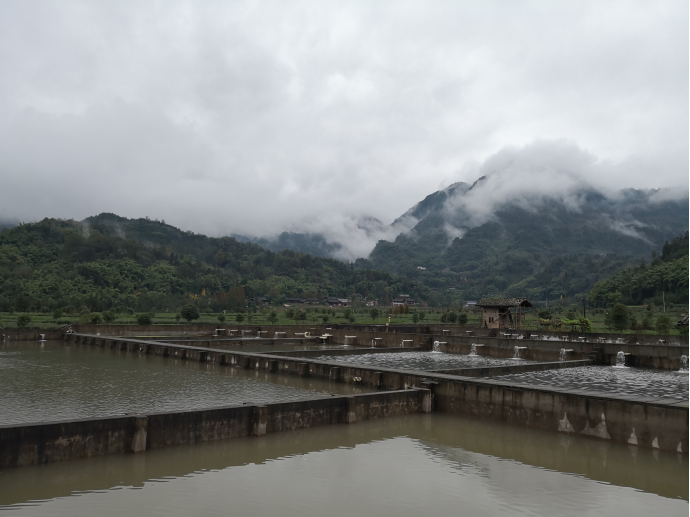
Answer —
663 323
272 317
545 314
462 318
177 318
23 320
190 312
374 313
144 318
221 318
239 317
109 316
620 317
57 314
96 318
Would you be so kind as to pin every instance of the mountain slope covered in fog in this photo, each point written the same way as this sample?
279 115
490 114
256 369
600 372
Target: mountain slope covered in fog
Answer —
540 244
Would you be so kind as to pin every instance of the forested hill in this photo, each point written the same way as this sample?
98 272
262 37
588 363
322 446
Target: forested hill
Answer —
667 275
109 261
539 246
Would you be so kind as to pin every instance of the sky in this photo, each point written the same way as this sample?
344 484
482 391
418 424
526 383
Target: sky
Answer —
259 117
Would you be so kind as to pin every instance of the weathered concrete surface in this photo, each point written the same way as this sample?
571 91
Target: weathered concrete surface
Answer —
649 356
634 422
663 423
30 334
57 441
343 351
493 371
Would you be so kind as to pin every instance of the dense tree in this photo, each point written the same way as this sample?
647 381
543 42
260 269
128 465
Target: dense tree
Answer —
190 312
663 324
666 279
144 319
141 264
23 320
620 317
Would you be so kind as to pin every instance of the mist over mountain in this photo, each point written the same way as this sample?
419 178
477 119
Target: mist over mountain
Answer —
346 239
537 243
533 223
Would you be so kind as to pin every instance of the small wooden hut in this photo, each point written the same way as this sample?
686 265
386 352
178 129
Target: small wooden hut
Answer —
504 313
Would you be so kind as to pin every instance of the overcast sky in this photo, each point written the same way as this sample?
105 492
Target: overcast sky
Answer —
256 117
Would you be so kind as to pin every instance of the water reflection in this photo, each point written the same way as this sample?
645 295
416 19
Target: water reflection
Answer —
426 463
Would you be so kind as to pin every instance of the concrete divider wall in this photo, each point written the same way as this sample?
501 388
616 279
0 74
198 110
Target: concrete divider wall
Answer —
639 423
29 334
57 441
341 351
657 422
355 338
650 356
462 330
493 371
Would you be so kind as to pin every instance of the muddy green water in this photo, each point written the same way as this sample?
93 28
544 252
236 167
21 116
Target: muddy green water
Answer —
417 465
60 381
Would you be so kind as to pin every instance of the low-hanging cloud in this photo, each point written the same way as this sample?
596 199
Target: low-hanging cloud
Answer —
524 177
260 118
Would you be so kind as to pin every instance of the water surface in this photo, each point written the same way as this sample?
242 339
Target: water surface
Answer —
641 382
423 360
58 381
409 466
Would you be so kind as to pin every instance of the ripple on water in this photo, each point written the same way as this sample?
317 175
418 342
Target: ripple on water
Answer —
422 360
623 381
58 382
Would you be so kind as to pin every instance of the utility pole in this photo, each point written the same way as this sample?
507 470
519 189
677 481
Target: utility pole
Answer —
584 308
663 299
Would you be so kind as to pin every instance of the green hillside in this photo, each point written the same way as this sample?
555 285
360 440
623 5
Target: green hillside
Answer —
112 262
541 247
667 276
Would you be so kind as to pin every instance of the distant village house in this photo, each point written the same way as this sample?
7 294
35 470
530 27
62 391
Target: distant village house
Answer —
504 313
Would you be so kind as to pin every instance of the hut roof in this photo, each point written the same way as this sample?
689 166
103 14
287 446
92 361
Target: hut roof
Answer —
504 302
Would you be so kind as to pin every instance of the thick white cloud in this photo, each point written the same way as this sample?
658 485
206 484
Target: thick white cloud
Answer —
254 118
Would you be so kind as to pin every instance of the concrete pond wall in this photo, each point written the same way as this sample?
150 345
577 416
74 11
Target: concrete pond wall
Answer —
651 423
634 421
649 356
49 442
